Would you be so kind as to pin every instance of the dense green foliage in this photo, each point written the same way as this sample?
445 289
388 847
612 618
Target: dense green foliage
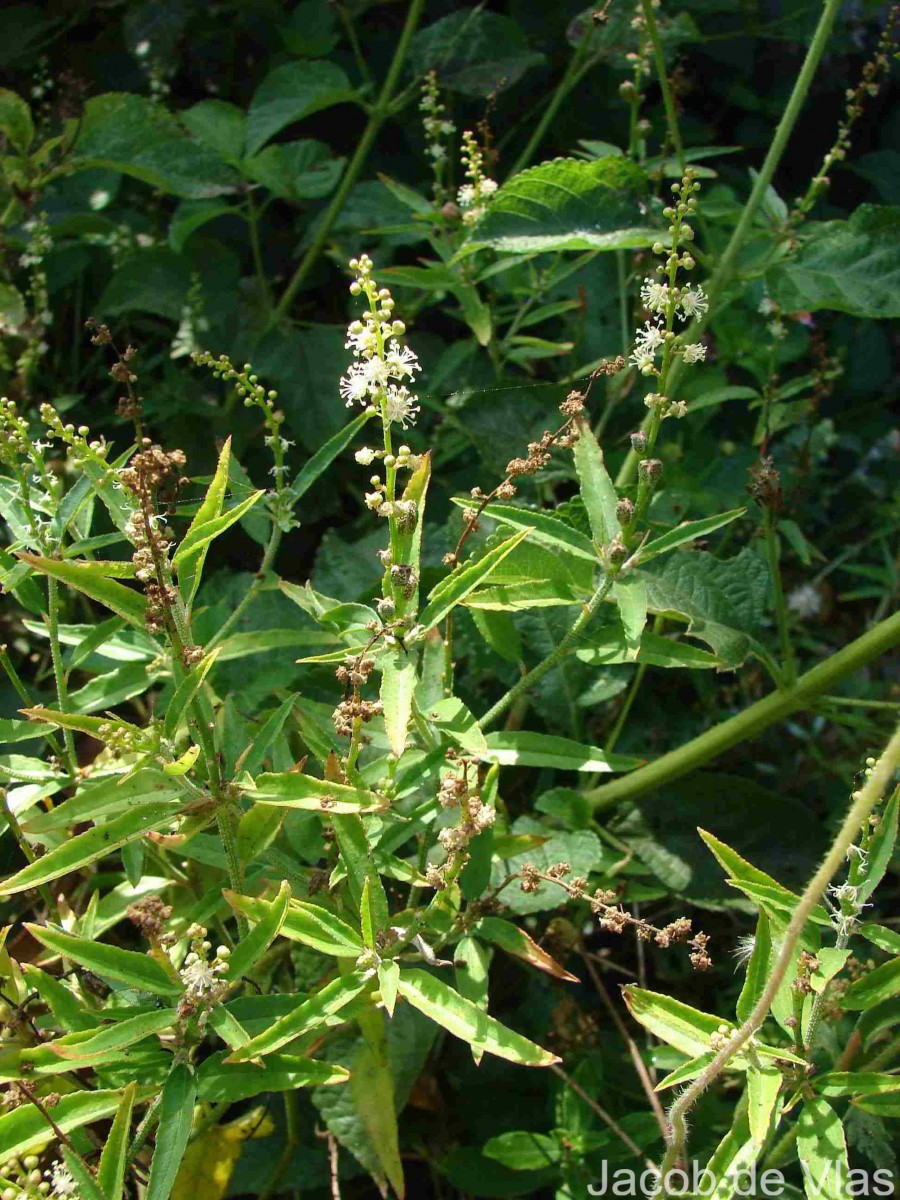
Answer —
446 736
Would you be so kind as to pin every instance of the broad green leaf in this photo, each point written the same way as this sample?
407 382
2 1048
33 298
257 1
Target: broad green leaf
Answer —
250 948
296 171
220 1080
137 136
176 1115
90 846
454 589
630 594
453 718
291 92
84 577
309 1014
546 529
15 121
568 204
398 683
293 790
499 631
878 985
464 1020
219 125
186 692
515 941
597 489
25 1128
763 1087
114 1159
848 266
689 531
856 1083
110 962
325 456
822 1151
475 53
524 749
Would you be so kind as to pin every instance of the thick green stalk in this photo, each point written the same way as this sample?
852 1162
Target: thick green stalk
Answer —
377 116
552 659
864 801
753 720
668 99
726 265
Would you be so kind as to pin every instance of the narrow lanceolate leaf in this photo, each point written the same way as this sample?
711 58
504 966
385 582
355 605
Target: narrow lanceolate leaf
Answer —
372 1087
388 982
398 683
455 720
524 749
294 790
763 1088
359 863
218 1079
118 1036
857 1083
325 456
688 532
176 1116
880 984
454 589
307 923
187 691
687 1029
546 529
309 1014
80 723
91 845
515 941
109 962
881 848
25 1128
597 489
251 948
464 1020
630 594
472 960
758 969
822 1150
83 577
114 1159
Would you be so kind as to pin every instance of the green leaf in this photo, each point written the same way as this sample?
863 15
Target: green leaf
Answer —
301 170
878 935
758 969
524 749
608 646
101 798
568 204
25 1128
881 848
546 529
880 1106
856 1083
453 590
398 683
372 1090
251 948
294 790
464 1020
848 266
359 863
220 1080
679 1025
78 1169
135 135
186 692
109 962
114 1159
630 593
763 1088
15 121
309 1014
219 125
325 456
515 941
822 1151
688 531
472 960
597 489
176 1115
307 923
455 720
878 985
475 53
90 846
291 92
98 1043
524 1151
85 577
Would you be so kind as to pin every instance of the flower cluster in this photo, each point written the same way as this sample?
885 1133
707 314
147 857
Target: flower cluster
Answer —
473 196
382 362
437 130
200 974
459 791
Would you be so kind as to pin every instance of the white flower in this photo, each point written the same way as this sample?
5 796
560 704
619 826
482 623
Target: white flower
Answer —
650 338
694 352
365 456
401 361
766 306
488 186
643 360
805 601
376 371
361 339
401 407
693 303
198 976
354 386
61 1181
654 295
466 195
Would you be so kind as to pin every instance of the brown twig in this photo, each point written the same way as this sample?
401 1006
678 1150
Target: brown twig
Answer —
603 1115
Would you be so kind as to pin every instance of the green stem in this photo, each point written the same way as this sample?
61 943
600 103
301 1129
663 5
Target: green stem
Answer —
725 269
377 116
22 692
864 800
256 251
668 99
252 591
788 661
753 720
62 695
552 659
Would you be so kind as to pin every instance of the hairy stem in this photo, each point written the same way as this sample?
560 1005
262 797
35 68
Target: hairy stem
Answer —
668 99
864 801
753 720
